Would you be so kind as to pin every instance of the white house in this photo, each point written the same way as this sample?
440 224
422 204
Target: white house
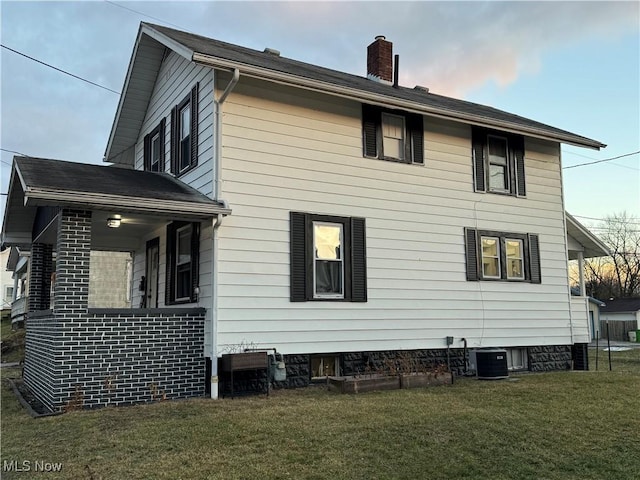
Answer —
271 203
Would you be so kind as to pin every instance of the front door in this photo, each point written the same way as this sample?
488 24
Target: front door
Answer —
153 261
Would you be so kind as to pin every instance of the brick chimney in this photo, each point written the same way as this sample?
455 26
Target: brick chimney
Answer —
380 60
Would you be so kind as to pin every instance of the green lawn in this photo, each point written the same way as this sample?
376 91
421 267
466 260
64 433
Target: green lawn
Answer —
12 342
566 425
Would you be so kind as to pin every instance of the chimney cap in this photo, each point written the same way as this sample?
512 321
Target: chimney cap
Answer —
380 37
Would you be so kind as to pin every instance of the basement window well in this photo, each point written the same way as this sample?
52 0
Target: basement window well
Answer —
323 366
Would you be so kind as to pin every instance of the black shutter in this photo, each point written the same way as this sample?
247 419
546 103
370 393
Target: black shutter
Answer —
147 152
370 124
194 126
517 143
471 249
479 139
174 140
358 260
169 292
298 249
534 259
416 135
195 260
161 167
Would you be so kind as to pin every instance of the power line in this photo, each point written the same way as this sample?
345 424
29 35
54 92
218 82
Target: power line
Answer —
603 160
60 70
13 151
614 220
145 15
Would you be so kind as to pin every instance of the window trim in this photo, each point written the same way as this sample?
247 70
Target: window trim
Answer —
148 148
530 256
173 230
497 257
521 258
373 137
515 167
302 271
316 259
191 101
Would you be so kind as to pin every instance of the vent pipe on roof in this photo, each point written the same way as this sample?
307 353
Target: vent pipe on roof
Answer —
396 68
272 51
380 60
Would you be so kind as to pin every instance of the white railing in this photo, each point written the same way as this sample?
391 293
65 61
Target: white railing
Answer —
19 308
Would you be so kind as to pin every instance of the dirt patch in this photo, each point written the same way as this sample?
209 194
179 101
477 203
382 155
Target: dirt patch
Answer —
34 406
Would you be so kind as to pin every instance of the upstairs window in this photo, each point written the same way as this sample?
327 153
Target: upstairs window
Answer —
184 134
328 258
183 242
502 256
498 162
392 135
154 149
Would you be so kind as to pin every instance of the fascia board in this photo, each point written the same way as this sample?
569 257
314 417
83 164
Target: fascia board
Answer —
582 230
35 197
384 101
160 38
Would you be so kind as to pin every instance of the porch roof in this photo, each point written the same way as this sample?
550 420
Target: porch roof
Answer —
591 245
39 182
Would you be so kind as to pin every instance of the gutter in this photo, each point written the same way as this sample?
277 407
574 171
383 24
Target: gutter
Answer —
38 196
217 181
385 101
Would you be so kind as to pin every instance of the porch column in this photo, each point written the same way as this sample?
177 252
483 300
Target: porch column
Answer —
40 276
583 288
71 289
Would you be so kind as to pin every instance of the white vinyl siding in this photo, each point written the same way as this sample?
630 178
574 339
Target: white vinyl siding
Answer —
175 81
290 150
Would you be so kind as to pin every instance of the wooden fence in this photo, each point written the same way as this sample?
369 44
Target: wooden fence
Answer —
618 330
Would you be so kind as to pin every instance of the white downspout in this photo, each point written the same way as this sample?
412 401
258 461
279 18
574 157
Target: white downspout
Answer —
217 192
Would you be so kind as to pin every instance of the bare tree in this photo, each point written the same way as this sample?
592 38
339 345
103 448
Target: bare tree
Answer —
617 276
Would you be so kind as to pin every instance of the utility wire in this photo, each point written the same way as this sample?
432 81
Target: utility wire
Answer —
60 70
145 14
603 160
13 151
614 220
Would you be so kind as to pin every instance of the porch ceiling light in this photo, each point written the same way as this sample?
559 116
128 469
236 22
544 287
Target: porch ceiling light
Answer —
113 222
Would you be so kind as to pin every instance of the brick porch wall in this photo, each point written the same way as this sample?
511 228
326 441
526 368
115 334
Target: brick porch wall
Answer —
115 357
99 357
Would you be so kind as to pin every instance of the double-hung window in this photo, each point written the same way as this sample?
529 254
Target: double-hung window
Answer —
328 258
392 135
328 262
154 149
498 162
184 134
502 256
182 262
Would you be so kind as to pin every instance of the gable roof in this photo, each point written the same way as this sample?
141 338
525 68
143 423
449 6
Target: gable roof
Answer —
38 182
149 49
622 305
592 246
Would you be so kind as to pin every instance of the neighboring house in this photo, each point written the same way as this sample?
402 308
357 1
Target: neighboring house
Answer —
6 283
623 316
272 203
17 265
109 280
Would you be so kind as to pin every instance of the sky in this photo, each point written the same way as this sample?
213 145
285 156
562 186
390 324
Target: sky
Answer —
572 65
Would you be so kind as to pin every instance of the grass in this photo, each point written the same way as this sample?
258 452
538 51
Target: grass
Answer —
565 425
12 342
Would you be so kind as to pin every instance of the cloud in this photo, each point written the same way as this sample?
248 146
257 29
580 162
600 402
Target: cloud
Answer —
450 47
